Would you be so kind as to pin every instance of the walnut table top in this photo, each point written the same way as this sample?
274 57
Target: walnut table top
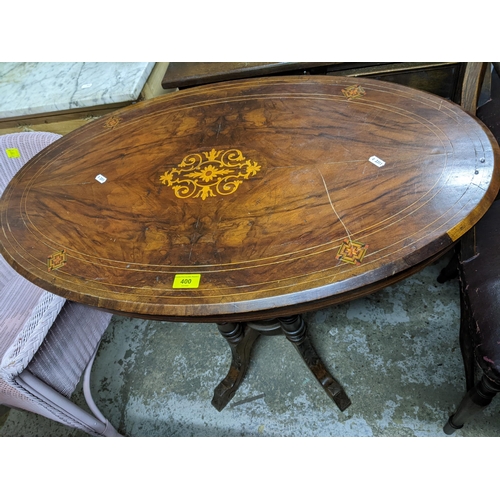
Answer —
249 199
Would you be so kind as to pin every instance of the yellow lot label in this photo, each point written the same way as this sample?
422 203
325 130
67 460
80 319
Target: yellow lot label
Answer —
186 281
13 153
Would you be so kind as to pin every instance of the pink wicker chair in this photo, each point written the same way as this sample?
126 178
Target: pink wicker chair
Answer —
46 342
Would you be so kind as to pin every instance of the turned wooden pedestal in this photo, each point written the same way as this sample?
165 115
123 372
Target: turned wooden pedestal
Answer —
241 338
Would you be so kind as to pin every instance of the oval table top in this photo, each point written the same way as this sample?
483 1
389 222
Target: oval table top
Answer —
249 199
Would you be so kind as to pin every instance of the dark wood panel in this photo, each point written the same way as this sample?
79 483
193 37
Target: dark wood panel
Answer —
182 75
441 78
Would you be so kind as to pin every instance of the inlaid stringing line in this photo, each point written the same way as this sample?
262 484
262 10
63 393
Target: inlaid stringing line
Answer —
273 263
272 282
320 173
288 254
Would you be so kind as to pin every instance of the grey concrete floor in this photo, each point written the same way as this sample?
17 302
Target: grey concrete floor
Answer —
395 352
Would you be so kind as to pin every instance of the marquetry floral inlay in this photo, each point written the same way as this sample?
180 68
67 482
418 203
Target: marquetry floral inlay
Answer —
112 122
353 91
202 175
56 260
352 252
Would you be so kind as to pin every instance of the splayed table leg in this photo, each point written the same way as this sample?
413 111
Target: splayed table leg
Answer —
241 339
295 330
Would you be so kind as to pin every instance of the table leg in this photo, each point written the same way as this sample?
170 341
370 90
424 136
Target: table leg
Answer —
295 330
240 339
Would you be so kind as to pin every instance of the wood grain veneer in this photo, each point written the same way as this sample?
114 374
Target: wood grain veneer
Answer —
263 226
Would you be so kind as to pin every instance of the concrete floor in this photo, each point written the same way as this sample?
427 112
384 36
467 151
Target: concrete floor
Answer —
395 352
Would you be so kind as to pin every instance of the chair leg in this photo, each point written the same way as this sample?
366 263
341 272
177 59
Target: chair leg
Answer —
450 271
467 326
87 393
64 408
474 401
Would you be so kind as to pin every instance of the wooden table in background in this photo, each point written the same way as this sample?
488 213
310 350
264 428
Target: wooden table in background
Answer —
441 78
249 203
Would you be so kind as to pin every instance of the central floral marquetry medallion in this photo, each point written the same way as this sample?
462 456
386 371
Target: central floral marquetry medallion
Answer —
212 173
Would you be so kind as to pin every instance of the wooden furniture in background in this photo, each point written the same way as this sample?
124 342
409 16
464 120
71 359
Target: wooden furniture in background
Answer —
478 266
440 78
